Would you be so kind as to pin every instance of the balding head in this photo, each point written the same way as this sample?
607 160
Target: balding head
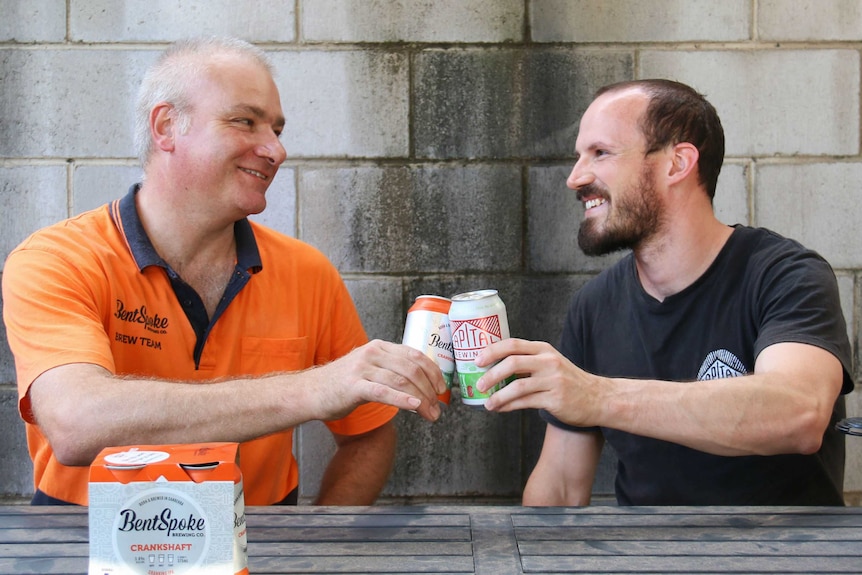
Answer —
676 113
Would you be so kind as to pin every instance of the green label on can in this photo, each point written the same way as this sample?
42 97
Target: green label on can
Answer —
469 393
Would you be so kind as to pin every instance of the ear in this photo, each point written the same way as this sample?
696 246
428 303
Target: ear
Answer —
163 126
684 159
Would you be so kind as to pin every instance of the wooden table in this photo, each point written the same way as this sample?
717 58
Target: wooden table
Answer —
492 540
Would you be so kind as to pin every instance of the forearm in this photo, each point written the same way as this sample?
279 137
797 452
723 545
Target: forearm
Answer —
360 468
758 414
98 410
547 489
82 407
566 469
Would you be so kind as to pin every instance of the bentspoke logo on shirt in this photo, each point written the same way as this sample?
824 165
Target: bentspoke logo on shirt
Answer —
720 364
151 322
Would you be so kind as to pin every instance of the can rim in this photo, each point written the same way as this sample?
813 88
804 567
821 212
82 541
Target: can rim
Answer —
474 295
433 303
432 296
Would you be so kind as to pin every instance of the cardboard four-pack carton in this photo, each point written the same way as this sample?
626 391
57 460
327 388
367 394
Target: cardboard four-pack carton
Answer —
167 510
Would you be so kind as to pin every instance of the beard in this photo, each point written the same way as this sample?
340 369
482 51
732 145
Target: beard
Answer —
634 216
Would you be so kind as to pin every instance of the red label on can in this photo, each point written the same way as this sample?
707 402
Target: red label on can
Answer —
475 334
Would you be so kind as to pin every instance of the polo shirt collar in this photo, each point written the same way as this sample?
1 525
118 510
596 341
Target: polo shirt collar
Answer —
247 253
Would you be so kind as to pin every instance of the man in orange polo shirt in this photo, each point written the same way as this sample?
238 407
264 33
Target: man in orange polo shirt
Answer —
168 317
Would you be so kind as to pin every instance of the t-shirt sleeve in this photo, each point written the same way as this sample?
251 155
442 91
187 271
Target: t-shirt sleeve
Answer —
801 303
51 316
549 418
347 334
571 348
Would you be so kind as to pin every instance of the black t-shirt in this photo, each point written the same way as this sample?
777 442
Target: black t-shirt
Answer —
761 289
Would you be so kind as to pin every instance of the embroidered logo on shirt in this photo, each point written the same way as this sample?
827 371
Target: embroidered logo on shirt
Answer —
154 323
720 364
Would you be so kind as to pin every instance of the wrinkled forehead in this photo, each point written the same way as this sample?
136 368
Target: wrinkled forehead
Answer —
237 77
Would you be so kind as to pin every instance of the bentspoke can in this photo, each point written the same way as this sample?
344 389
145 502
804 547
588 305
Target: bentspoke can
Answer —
478 319
427 329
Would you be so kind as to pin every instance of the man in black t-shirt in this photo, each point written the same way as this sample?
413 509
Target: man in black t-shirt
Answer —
712 358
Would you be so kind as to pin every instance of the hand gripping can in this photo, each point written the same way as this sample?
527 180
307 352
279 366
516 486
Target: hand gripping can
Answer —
427 329
478 319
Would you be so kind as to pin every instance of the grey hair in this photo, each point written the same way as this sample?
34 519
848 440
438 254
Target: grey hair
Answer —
168 80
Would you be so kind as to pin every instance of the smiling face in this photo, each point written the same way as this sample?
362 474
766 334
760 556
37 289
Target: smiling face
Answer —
229 153
614 177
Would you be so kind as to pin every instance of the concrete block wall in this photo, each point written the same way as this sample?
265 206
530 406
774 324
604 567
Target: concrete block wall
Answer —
429 141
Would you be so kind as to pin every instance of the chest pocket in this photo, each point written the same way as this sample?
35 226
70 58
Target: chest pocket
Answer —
264 355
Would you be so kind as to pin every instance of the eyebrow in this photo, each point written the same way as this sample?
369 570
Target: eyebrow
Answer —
601 144
257 112
592 148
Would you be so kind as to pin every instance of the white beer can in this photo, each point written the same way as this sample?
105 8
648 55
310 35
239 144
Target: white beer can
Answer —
478 319
427 329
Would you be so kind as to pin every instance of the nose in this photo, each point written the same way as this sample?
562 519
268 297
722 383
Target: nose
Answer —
579 176
273 150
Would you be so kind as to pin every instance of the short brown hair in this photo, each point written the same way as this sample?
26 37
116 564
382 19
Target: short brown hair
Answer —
678 113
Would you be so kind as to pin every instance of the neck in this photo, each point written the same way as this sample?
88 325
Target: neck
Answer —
183 234
672 261
201 252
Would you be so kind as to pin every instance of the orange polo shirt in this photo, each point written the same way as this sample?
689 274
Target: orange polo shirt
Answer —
92 289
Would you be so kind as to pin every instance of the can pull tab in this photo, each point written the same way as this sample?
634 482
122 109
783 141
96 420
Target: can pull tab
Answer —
198 472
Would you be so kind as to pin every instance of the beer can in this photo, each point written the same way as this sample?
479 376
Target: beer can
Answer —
427 329
478 319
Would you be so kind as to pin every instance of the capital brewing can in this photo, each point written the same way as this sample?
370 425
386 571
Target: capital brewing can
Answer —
427 329
478 319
